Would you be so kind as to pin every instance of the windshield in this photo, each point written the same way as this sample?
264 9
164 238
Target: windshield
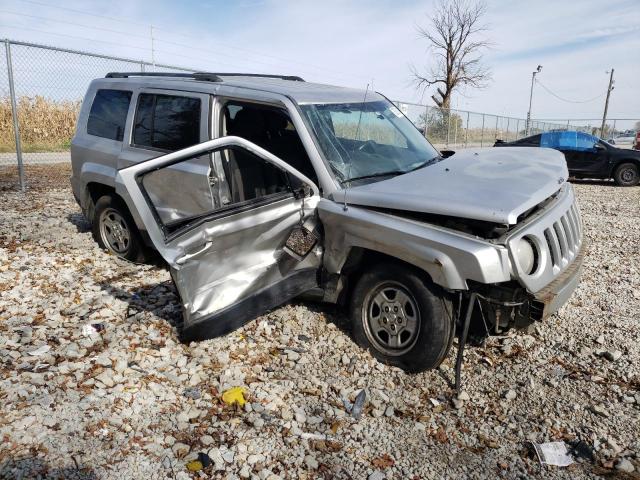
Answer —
364 141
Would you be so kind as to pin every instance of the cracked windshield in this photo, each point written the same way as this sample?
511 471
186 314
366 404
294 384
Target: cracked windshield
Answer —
368 140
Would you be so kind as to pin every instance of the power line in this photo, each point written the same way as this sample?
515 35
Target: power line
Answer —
199 39
75 24
113 19
565 99
74 36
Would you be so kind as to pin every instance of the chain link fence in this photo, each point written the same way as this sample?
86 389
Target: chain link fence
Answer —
48 86
45 86
456 129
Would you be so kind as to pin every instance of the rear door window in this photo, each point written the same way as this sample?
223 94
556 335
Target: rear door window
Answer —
166 122
108 114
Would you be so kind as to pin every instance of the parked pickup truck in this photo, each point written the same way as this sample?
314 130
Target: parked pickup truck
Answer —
256 189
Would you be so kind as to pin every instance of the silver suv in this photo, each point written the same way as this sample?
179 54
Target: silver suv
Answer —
256 189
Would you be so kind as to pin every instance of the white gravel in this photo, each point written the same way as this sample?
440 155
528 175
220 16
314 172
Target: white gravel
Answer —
130 401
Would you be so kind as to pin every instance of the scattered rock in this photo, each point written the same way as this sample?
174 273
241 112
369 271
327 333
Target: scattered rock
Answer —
624 465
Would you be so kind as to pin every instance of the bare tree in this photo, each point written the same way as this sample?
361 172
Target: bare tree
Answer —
453 37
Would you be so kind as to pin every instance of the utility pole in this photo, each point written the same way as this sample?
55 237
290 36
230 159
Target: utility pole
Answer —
533 78
606 104
153 51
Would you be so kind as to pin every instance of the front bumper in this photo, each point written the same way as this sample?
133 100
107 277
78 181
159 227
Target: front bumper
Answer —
557 293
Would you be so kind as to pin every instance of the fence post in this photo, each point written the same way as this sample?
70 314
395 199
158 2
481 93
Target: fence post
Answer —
426 121
466 133
482 132
142 66
448 125
507 135
496 135
14 113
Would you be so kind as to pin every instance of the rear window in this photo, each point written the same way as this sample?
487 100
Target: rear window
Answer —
109 114
166 122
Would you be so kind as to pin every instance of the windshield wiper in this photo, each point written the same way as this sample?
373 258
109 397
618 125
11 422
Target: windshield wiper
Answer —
374 175
426 163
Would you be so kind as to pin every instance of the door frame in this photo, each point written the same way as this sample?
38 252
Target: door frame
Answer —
141 204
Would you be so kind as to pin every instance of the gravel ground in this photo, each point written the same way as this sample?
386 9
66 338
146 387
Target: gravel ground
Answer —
130 401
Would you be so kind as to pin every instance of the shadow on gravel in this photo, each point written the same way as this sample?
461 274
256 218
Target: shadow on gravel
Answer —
35 467
160 299
80 222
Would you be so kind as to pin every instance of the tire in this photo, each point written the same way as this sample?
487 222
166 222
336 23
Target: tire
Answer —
627 175
115 231
419 313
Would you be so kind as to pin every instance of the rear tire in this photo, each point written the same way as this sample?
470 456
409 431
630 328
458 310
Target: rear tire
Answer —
402 318
627 175
115 231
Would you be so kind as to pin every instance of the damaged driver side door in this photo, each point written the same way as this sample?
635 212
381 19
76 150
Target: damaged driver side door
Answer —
250 247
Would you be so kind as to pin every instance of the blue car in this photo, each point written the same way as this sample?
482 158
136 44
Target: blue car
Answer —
587 156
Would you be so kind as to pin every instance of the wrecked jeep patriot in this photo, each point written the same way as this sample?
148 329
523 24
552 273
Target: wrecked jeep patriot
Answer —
256 189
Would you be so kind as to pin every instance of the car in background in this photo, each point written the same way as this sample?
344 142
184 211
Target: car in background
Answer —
587 156
625 138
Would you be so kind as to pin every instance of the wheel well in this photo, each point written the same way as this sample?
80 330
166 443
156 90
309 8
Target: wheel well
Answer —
96 190
635 161
359 259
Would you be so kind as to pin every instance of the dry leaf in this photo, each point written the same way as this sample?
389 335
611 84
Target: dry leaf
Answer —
385 461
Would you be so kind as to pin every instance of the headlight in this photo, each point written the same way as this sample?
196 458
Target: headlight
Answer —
526 255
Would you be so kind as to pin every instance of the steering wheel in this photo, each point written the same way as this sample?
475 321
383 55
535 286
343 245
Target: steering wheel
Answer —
368 144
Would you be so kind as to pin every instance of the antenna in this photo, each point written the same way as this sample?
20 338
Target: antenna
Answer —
356 139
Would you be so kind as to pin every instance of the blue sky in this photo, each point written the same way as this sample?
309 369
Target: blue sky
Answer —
357 42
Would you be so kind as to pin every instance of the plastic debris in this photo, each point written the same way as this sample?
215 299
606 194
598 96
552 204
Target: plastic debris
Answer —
581 449
356 410
553 453
91 329
192 392
194 465
204 459
234 395
39 351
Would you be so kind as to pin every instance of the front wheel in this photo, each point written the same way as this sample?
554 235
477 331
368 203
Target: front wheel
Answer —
627 175
401 317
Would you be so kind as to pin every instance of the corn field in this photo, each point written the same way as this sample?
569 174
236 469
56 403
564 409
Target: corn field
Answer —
45 125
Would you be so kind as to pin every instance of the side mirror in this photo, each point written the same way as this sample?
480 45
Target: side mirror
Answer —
599 146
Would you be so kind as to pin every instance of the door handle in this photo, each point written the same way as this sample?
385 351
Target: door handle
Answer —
188 256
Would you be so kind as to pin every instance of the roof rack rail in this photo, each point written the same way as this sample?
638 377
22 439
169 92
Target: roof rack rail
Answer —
208 77
293 78
202 76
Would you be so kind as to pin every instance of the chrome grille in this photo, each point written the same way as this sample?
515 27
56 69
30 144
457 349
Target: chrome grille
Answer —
564 238
557 234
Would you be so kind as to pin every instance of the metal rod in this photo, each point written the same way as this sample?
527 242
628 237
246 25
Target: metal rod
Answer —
14 113
462 339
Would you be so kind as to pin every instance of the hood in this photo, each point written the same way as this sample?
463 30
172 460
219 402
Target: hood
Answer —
491 184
